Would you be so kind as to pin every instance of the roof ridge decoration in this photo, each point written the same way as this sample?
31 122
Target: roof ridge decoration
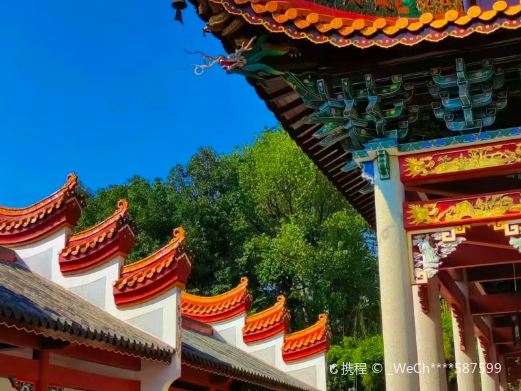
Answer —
267 323
23 225
209 309
152 276
91 247
307 342
303 19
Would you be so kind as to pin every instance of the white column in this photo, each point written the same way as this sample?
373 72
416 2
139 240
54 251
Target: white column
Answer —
488 381
467 380
429 339
395 287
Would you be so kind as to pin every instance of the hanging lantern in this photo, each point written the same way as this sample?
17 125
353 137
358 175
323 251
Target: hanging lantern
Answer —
179 5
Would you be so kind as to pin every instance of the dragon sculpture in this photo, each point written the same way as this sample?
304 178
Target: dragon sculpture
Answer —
246 59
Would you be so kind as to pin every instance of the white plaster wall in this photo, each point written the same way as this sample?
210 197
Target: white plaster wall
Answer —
317 363
231 332
43 254
159 317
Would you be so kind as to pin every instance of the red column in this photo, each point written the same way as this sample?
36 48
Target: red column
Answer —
42 382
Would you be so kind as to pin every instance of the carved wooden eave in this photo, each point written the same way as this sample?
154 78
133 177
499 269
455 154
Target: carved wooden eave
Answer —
150 277
268 323
225 306
90 248
19 226
307 342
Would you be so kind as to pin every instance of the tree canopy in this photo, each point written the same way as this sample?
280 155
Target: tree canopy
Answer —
266 212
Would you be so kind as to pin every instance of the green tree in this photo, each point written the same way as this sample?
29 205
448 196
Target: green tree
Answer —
264 211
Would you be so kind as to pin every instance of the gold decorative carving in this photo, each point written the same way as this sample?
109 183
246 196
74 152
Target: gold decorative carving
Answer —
472 159
497 205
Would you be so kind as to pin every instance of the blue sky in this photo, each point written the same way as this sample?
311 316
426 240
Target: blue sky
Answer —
104 89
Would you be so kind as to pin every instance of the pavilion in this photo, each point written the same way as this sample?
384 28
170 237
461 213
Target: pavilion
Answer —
410 109
75 316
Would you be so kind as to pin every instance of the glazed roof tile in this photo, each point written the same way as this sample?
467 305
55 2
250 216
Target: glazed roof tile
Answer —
207 353
145 279
267 323
31 303
303 19
218 307
90 247
22 225
306 342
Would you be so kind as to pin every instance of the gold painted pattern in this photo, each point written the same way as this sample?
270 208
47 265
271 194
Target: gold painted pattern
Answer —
473 159
497 205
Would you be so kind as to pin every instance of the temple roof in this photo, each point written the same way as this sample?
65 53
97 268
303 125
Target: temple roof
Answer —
307 342
149 277
218 307
33 304
267 323
353 25
111 237
207 353
23 225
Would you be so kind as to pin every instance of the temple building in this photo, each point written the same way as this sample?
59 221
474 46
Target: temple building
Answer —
409 107
74 315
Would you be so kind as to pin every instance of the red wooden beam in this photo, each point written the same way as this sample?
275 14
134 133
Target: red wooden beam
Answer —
481 329
101 357
432 166
499 303
28 340
503 335
447 211
450 291
26 369
494 273
469 256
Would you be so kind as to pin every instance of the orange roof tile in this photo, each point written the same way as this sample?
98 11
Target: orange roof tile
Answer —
149 277
104 241
305 343
321 24
23 225
267 323
219 307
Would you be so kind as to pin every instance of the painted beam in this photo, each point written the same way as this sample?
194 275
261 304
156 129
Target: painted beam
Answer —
500 158
483 208
499 303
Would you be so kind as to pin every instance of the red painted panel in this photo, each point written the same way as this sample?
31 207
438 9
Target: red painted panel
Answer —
461 163
463 210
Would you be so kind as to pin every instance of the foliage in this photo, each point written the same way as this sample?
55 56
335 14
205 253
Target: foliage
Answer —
352 351
448 340
264 211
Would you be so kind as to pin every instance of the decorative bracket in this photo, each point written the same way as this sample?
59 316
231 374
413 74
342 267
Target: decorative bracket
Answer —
423 296
485 347
460 321
510 229
428 249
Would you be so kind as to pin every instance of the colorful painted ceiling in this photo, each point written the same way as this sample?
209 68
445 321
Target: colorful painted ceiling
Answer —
383 23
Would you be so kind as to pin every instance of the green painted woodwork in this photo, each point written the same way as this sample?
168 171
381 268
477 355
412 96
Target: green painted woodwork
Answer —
468 99
382 161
